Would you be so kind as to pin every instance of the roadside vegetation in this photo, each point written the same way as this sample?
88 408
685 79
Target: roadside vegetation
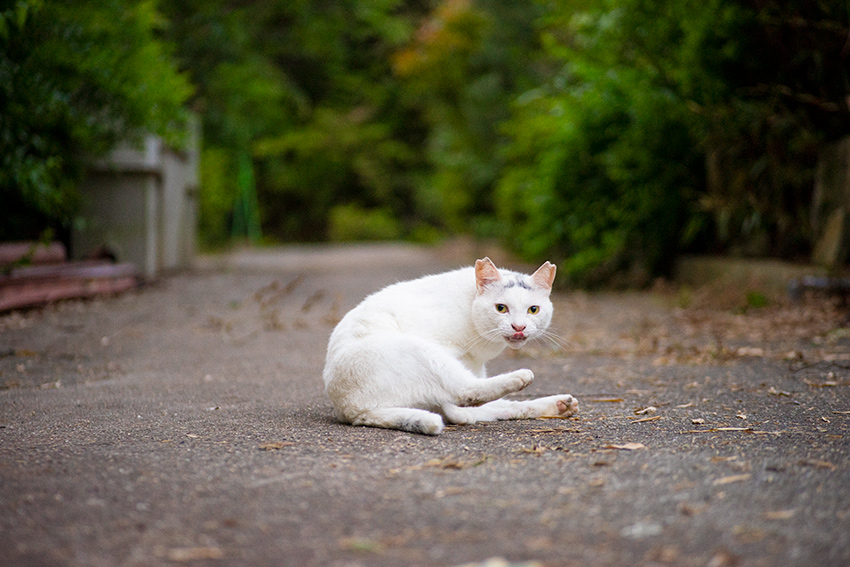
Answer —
608 136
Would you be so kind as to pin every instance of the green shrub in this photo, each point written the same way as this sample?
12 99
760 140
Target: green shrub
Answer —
599 179
354 223
605 162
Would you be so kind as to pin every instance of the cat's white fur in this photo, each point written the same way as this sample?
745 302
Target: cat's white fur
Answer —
413 353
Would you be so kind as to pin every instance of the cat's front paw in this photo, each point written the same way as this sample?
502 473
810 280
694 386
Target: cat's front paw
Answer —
524 377
566 405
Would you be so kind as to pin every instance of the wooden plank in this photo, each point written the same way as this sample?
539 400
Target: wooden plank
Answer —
83 269
11 252
39 285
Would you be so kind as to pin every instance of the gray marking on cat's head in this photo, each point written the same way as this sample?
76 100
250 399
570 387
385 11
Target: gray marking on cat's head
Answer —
517 282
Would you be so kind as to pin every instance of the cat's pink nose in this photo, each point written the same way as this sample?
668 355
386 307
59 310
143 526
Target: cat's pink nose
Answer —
518 328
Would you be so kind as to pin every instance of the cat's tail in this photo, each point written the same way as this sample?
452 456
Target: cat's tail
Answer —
405 419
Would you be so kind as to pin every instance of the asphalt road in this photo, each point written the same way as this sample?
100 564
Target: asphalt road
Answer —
185 423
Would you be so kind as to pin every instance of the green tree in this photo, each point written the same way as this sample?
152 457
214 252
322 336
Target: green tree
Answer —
304 87
75 78
462 67
786 97
608 158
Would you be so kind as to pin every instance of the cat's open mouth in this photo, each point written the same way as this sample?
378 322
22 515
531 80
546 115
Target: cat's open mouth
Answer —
516 340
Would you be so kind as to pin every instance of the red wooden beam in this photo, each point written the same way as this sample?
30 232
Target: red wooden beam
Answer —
38 285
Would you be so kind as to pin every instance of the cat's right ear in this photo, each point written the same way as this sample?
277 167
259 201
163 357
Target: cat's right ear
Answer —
486 273
544 276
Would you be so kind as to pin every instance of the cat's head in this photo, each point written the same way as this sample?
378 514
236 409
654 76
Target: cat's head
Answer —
512 307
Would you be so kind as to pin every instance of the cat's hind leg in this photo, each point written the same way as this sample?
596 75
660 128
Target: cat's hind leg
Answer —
550 406
405 419
471 391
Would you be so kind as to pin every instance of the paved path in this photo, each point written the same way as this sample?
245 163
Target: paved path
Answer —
186 424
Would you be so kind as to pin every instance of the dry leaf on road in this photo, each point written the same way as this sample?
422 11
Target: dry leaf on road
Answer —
731 479
627 446
274 446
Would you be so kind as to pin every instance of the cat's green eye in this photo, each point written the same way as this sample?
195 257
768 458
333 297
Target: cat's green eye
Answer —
534 309
501 308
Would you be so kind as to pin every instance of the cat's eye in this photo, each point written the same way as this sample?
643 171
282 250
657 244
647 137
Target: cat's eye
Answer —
534 309
501 308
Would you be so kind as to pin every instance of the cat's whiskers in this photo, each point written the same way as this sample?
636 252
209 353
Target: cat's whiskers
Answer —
482 338
553 340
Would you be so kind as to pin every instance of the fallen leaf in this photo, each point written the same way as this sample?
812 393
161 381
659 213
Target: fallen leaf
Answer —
536 544
642 530
818 464
774 392
645 419
627 446
722 559
449 491
452 464
184 554
734 429
826 384
748 534
731 479
500 562
274 446
668 554
779 514
698 421
557 430
687 509
687 405
647 410
361 544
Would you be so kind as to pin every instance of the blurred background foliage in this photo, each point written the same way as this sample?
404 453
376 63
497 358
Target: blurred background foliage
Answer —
608 136
76 76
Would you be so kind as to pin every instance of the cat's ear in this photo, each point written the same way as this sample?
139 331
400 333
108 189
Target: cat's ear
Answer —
544 276
486 273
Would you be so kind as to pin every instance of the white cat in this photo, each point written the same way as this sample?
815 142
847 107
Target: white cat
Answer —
414 353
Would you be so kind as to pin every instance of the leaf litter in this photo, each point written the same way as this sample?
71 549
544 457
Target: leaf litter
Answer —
627 446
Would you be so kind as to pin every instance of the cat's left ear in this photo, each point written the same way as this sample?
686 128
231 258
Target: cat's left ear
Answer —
544 276
486 273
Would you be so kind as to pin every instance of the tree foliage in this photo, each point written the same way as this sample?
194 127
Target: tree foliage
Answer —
76 77
605 160
386 105
460 70
671 124
305 88
608 136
